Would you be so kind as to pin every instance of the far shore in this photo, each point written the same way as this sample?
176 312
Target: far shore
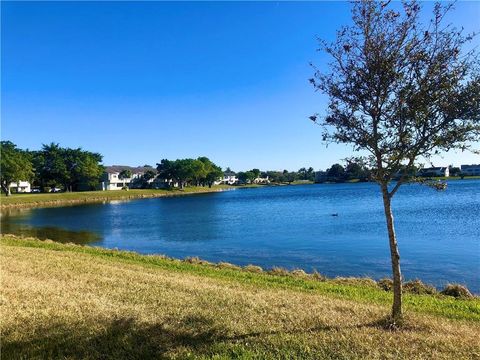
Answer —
86 197
29 200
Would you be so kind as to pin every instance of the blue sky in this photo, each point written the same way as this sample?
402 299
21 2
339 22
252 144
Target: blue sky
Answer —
143 81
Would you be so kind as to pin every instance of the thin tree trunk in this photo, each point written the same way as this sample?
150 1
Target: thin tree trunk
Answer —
6 189
395 257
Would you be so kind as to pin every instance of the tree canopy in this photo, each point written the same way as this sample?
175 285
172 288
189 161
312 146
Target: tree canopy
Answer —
15 165
201 171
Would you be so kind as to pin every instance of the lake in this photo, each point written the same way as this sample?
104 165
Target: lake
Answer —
288 226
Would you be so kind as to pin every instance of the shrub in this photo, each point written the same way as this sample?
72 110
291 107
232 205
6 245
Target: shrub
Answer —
317 276
299 273
253 268
386 284
226 265
196 260
418 287
457 291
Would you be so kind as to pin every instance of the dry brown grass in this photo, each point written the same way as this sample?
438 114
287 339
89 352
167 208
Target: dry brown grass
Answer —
60 304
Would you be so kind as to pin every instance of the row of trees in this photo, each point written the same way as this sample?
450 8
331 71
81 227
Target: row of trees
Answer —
51 167
200 172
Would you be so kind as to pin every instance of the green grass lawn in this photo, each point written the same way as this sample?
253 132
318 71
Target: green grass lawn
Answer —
45 199
70 301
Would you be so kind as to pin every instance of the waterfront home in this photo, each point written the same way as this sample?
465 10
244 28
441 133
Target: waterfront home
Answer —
435 171
20 186
229 178
262 180
471 170
111 179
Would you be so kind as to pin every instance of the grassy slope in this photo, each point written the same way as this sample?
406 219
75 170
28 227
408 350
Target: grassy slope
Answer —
81 302
20 200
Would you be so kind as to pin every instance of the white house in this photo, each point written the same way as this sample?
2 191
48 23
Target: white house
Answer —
20 186
262 180
229 178
435 171
471 170
112 181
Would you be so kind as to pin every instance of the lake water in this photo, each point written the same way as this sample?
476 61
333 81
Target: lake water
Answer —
289 226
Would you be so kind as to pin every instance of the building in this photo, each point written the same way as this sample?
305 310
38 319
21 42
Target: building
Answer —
111 178
20 187
229 178
435 171
470 170
262 180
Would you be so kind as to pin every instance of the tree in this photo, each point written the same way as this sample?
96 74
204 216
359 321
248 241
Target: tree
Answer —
149 175
52 166
256 173
212 171
88 171
125 174
399 91
303 173
246 177
15 166
356 169
336 172
310 174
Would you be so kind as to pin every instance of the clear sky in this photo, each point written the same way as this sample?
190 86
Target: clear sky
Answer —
143 81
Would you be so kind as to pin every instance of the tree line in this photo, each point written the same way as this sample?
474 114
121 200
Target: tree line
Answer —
200 172
50 167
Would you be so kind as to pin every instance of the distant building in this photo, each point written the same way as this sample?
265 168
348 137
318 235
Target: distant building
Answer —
111 178
20 187
435 171
471 170
262 180
229 178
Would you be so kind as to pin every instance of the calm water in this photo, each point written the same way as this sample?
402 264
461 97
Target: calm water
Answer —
289 226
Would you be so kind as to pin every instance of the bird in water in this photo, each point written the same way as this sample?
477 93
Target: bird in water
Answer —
335 214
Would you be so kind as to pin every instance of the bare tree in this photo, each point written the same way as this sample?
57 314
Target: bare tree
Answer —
399 91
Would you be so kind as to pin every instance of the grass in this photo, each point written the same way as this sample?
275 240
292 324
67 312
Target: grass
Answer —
53 199
70 301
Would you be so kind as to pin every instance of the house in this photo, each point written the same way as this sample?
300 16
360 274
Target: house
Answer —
20 187
262 180
111 178
435 171
229 178
470 170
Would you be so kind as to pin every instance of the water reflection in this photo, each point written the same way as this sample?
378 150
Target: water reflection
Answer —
9 225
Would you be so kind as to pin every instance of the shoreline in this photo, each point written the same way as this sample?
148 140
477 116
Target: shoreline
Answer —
91 197
412 287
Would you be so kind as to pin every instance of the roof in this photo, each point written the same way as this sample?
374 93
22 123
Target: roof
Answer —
135 170
434 168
